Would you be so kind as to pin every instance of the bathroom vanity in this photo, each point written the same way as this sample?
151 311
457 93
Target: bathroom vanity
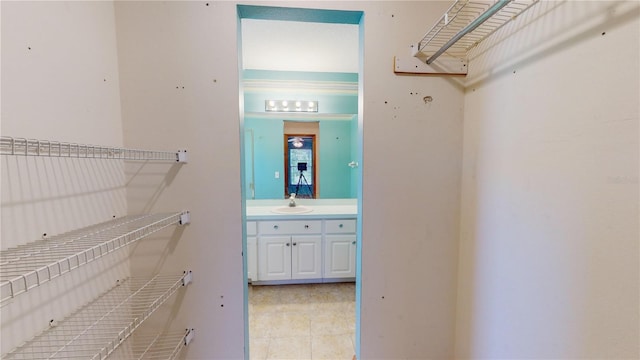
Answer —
311 244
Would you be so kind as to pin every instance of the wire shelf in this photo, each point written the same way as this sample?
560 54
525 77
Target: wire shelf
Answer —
154 347
27 266
32 147
98 328
463 13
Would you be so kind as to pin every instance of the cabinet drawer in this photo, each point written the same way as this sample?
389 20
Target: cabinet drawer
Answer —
252 228
290 227
340 226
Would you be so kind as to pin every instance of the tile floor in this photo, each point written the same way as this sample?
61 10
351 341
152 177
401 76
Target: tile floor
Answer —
311 321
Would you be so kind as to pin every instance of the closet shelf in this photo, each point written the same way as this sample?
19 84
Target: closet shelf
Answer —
464 14
98 328
463 26
32 147
154 347
27 266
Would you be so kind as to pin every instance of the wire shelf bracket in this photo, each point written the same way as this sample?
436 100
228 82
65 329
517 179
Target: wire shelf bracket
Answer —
33 147
97 329
27 266
443 49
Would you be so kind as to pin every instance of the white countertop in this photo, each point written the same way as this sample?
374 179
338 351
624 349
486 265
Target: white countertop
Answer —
321 209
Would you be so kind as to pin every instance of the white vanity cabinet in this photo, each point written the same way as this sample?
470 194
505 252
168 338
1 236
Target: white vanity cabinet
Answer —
293 250
340 249
289 250
252 251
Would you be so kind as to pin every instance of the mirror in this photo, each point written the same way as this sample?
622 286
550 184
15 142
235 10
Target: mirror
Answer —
328 74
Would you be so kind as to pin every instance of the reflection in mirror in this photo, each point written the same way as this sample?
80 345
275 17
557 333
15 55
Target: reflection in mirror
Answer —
300 166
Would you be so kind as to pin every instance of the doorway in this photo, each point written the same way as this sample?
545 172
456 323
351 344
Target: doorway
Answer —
322 85
300 166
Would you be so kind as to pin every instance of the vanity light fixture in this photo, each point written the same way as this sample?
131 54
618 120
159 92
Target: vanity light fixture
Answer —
290 106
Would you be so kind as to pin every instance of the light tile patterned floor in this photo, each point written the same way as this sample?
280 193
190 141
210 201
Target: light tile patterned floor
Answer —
313 321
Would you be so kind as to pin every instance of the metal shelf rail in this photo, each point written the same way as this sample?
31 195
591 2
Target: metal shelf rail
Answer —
27 266
465 24
32 147
98 328
154 347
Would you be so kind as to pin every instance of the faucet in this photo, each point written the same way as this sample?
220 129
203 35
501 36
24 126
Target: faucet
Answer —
292 200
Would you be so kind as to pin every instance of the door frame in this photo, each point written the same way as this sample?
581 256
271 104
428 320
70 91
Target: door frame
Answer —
316 167
353 17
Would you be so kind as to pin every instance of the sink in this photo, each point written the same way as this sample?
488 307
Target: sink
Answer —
292 210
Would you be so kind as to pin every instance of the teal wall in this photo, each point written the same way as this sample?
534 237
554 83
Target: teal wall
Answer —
337 139
268 157
334 155
329 102
354 157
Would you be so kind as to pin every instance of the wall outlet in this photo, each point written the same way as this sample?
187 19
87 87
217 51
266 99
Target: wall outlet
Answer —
277 175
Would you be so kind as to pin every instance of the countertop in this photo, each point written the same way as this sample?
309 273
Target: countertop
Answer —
321 209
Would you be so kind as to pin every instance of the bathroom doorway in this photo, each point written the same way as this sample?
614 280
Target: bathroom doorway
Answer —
300 166
287 55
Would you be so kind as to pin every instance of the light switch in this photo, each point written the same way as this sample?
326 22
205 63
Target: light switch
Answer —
277 175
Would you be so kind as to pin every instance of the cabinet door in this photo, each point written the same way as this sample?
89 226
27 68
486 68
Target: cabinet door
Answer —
274 258
340 256
252 258
306 257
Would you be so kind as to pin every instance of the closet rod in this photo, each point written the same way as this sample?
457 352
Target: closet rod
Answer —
469 28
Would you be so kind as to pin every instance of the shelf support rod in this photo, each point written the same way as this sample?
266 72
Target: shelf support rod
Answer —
469 28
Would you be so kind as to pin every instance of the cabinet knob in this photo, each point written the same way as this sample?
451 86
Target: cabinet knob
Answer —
306 226
341 226
353 242
275 227
288 244
294 244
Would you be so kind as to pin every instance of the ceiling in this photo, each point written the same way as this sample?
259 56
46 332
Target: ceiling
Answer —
299 46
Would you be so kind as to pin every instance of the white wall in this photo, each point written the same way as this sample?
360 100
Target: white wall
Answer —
549 250
59 82
411 181
179 86
549 225
412 155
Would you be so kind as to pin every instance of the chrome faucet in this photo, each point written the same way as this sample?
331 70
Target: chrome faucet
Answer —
292 200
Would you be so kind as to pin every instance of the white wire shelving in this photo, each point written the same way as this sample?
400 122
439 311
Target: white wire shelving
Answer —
468 22
27 266
97 329
33 147
167 346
